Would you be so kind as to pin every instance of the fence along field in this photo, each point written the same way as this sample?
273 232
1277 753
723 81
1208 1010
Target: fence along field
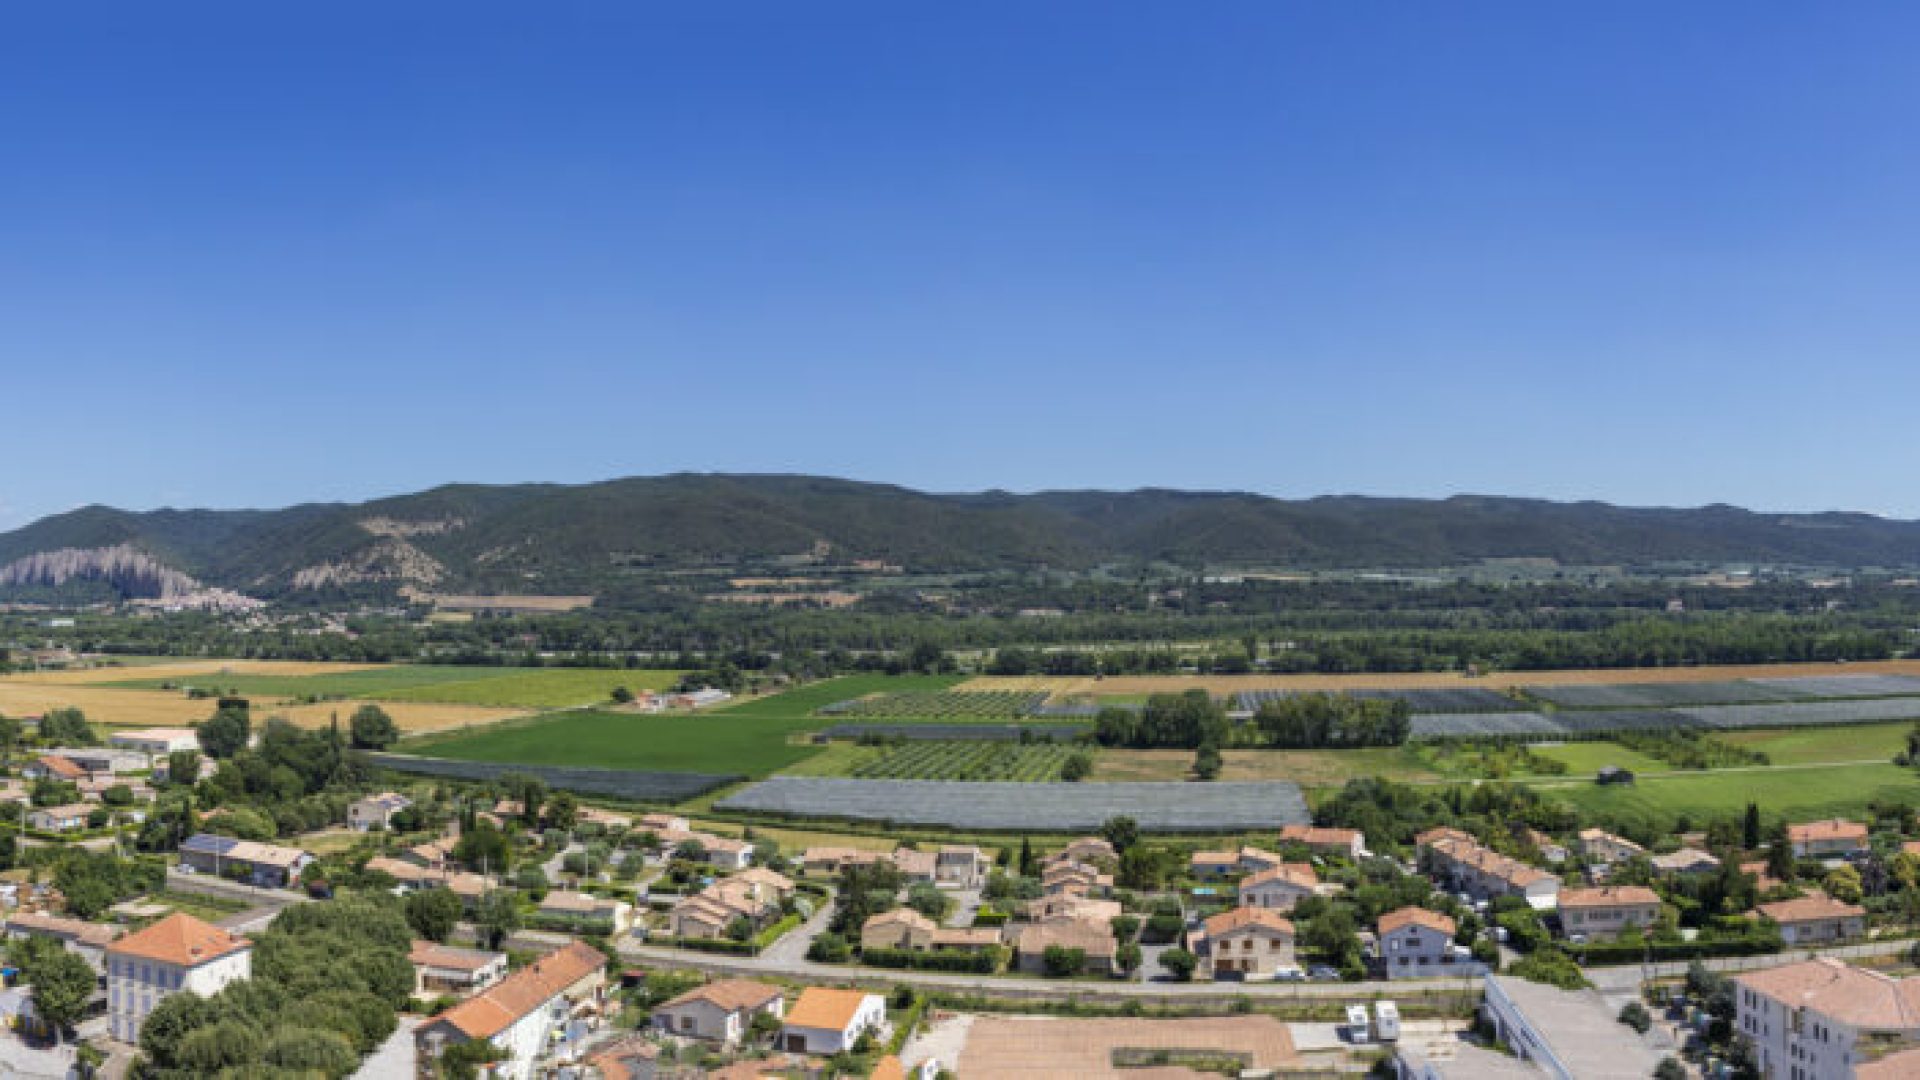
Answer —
1016 807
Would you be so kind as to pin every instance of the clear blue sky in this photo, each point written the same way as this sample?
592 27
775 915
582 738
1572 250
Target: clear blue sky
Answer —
1650 253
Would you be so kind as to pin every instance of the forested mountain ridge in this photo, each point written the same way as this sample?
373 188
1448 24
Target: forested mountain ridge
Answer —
551 537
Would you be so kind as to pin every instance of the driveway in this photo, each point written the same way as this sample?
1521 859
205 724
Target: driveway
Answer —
394 1057
792 947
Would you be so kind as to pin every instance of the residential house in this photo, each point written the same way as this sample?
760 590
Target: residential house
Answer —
1835 838
269 866
1685 861
53 767
1351 843
87 940
826 1020
412 877
721 1011
520 1013
659 824
1073 877
101 760
1213 865
632 1058
916 867
583 910
178 953
446 970
1460 863
726 853
156 741
1604 848
1414 943
1280 888
905 928
1815 918
1070 906
1086 849
764 883
1824 1019
1550 849
710 912
606 819
1093 937
1248 943
961 866
376 811
69 818
1605 913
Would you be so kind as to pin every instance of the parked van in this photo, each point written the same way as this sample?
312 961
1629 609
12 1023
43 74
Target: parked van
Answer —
1359 1028
1386 1021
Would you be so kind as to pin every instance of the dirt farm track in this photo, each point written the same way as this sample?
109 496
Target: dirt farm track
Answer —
1434 680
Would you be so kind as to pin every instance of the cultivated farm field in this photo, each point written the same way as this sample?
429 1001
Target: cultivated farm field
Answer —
139 668
977 760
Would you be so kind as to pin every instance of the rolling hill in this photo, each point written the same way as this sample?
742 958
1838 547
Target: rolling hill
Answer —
577 538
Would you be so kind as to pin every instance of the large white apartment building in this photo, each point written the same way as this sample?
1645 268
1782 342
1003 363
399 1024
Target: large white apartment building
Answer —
178 953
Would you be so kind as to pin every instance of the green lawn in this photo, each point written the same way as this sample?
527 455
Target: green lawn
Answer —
751 737
1798 793
1583 759
1814 745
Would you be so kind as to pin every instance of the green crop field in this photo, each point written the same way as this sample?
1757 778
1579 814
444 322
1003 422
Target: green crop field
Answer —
1583 759
930 760
1797 793
751 737
939 705
539 688
1814 745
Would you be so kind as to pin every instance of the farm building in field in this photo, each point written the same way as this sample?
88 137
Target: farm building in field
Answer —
155 741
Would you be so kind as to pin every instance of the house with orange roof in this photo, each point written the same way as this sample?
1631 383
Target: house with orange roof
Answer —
1245 943
826 1020
1351 843
1458 862
1815 918
1213 864
1835 838
447 969
631 1058
177 953
53 767
1823 1019
722 1011
519 1013
1605 913
1092 937
1280 888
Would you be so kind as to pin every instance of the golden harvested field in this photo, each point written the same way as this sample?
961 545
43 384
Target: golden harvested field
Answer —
1053 1046
120 708
1121 685
168 708
181 669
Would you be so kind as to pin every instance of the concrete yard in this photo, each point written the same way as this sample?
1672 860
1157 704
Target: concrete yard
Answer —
1083 1048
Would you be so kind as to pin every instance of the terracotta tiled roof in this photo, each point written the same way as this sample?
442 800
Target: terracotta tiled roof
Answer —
888 1068
1214 858
902 916
826 1008
1243 918
729 994
1809 908
61 767
180 940
617 1062
1862 999
435 955
1901 1066
498 1008
1093 936
1301 875
1608 896
1832 829
1317 836
1415 916
86 933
